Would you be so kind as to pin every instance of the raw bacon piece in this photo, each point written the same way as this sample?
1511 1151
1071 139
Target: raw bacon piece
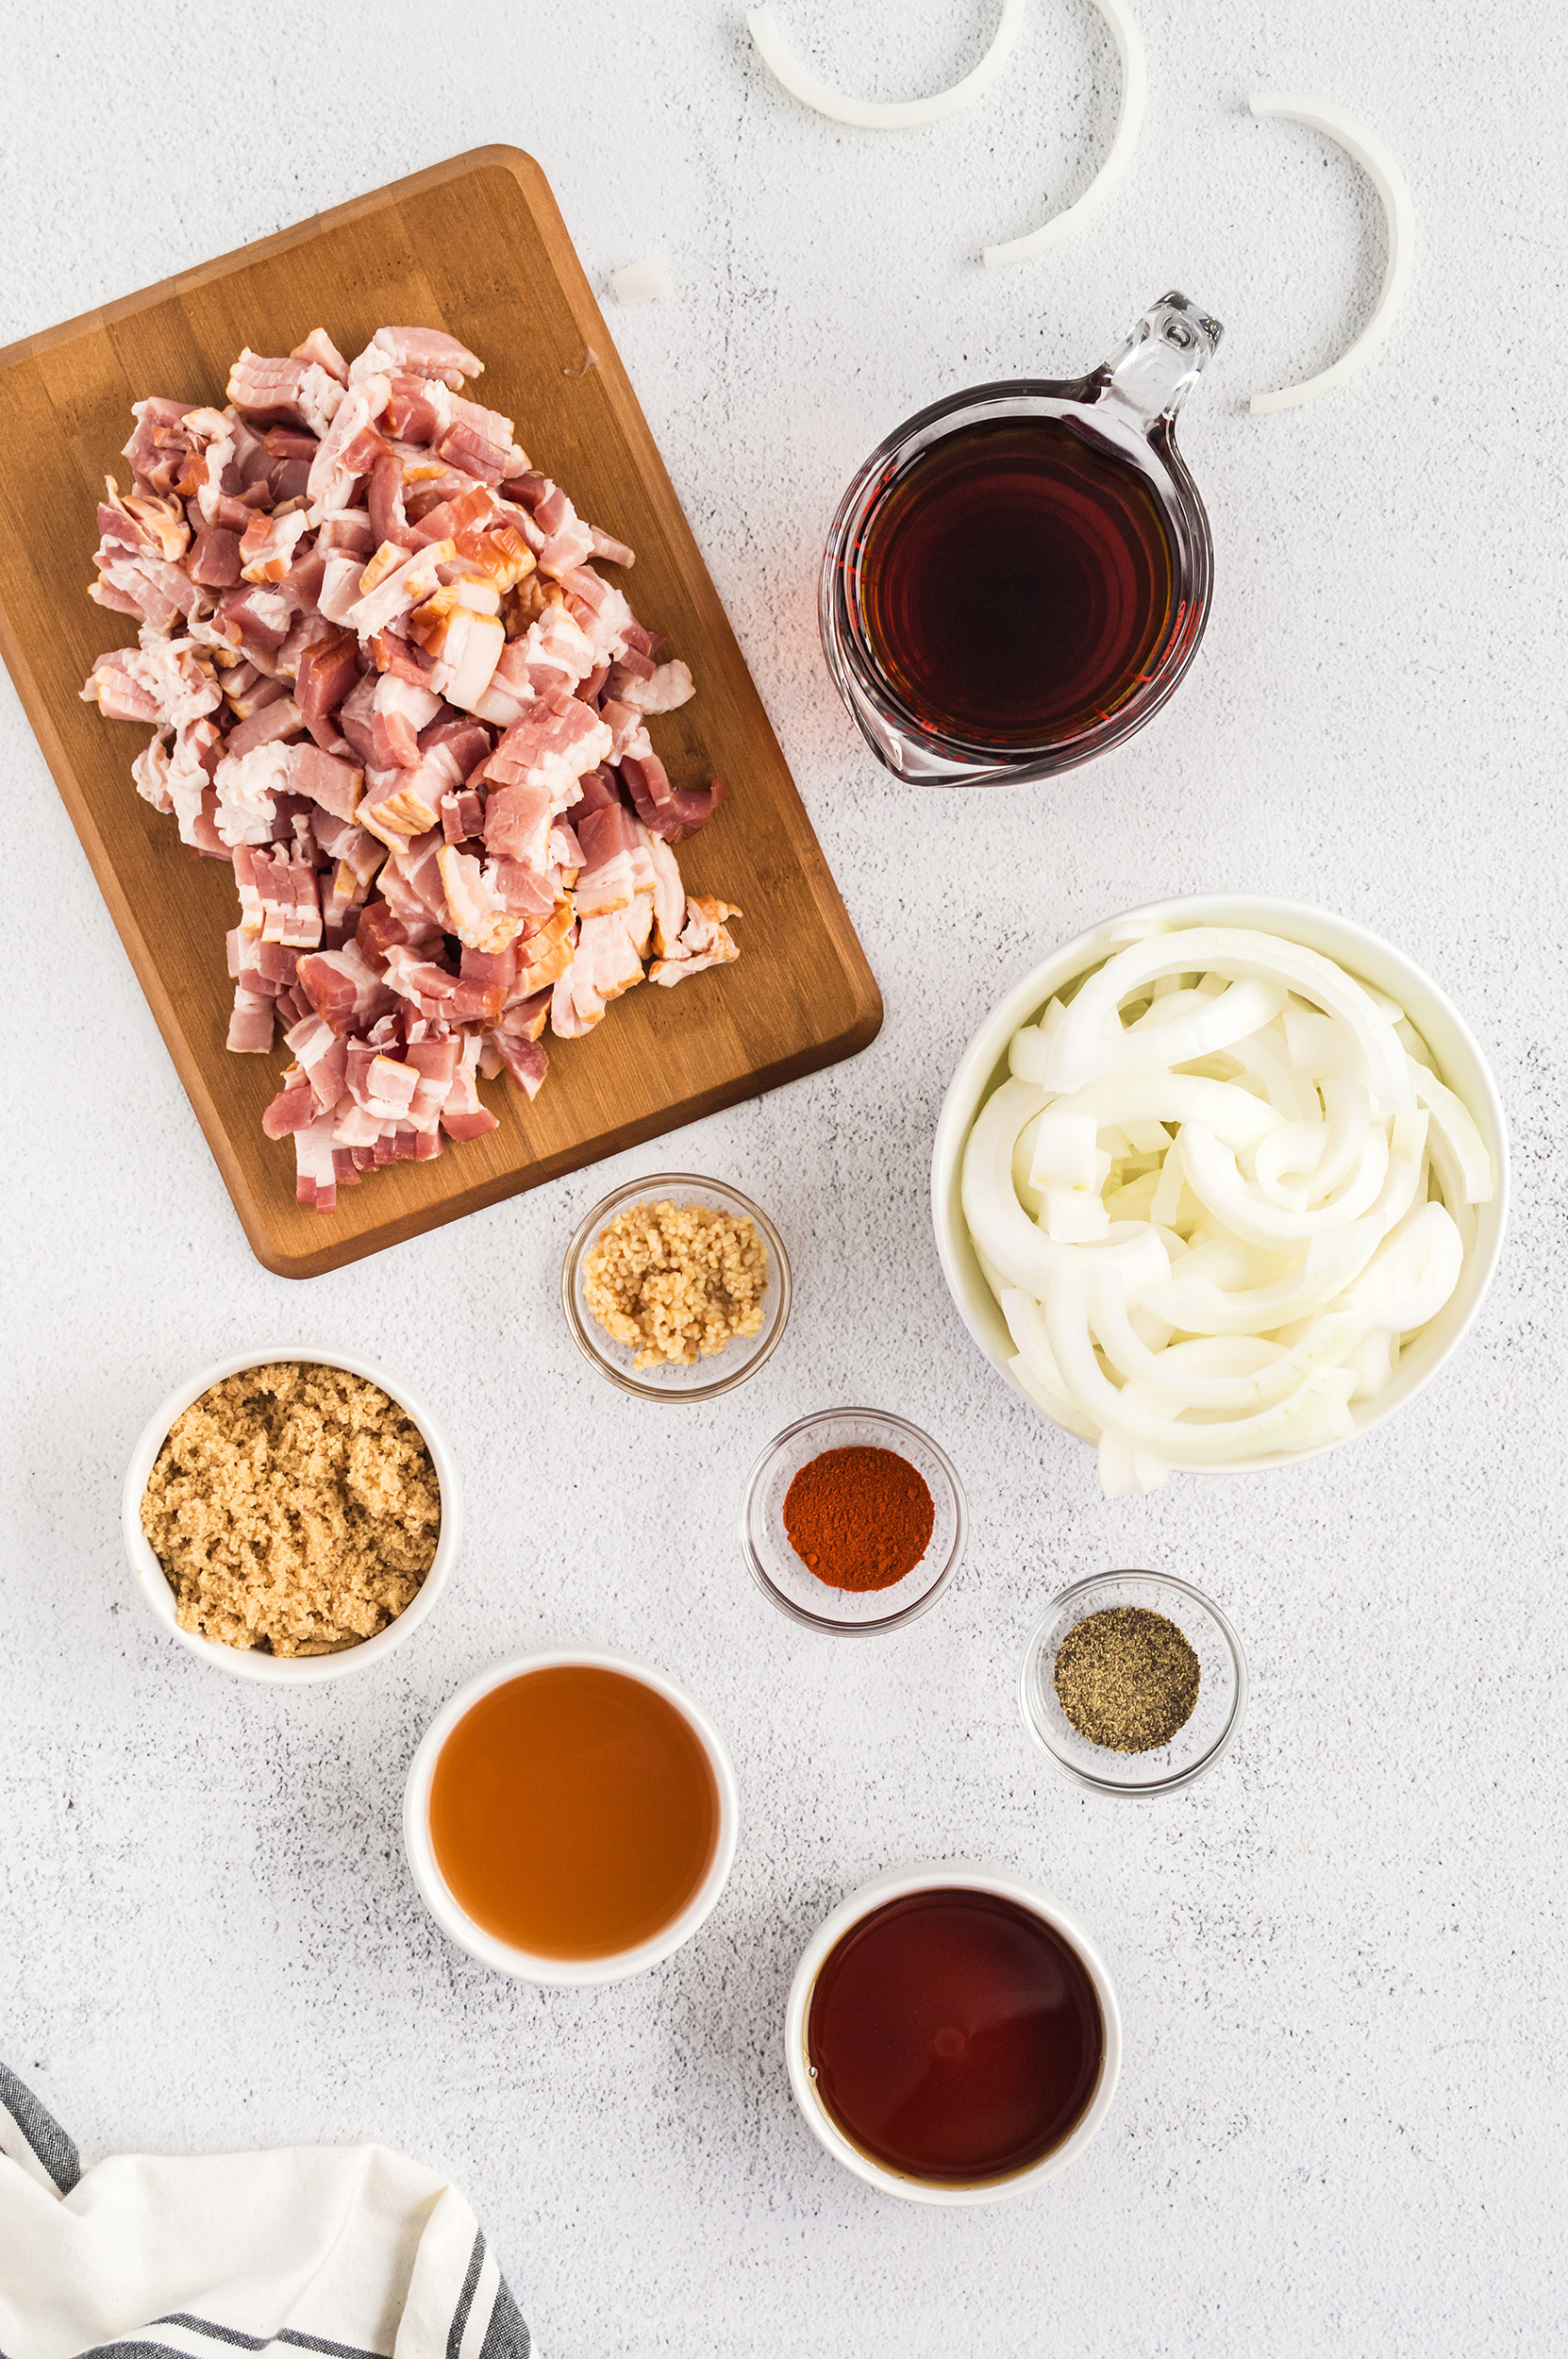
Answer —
214 559
420 352
118 696
334 785
545 956
398 713
318 346
462 1116
669 811
261 619
477 915
341 988
250 1027
323 1055
526 1061
348 448
294 1108
517 823
552 746
290 392
613 552
277 718
703 942
267 549
326 674
606 962
462 816
665 688
150 775
404 586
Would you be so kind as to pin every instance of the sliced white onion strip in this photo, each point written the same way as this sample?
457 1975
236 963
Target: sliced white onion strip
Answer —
1317 1398
1367 150
1233 1115
1130 121
1206 1024
1211 1172
1413 1273
1075 1052
1458 1125
869 114
1195 1303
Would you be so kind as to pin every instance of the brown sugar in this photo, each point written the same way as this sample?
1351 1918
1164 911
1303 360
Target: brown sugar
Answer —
678 1281
293 1508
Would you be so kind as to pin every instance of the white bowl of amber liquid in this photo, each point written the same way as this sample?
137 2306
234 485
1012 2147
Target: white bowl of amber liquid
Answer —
571 1817
256 1662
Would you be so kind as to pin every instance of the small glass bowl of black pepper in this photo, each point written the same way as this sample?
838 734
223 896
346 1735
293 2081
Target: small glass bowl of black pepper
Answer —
1130 1681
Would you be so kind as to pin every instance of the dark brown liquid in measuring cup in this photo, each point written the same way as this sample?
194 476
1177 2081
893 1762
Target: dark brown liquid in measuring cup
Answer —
1017 583
955 2037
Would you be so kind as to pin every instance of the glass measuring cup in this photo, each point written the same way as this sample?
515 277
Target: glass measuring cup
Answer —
1115 430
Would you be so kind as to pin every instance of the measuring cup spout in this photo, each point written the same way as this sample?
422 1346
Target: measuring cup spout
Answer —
1160 362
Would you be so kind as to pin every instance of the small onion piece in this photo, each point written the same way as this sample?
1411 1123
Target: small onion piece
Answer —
868 114
1130 121
1376 162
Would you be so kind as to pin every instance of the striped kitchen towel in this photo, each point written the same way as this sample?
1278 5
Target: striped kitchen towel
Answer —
353 2252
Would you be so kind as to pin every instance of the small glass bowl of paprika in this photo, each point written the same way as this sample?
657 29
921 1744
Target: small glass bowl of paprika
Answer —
853 1521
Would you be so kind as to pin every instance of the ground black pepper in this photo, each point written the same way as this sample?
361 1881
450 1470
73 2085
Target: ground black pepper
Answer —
1127 1678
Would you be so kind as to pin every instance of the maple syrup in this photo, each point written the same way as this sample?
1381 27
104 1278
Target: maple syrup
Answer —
574 1812
1017 583
953 2036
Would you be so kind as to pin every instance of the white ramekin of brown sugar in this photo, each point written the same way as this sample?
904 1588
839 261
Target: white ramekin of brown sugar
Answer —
258 1663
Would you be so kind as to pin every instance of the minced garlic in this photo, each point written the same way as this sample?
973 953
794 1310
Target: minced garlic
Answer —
678 1281
294 1509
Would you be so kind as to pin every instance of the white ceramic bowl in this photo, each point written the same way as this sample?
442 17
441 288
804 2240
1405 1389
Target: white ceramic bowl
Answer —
249 1662
1361 953
522 1965
946 1876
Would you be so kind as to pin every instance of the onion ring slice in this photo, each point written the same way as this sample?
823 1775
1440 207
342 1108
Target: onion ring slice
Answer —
1130 121
1367 150
869 114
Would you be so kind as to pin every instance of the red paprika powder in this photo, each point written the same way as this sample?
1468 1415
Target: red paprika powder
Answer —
858 1518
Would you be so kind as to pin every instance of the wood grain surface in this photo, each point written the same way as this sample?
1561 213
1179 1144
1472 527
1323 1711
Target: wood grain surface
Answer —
476 246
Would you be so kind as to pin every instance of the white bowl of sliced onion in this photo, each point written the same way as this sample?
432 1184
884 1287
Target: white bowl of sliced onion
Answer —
1220 1185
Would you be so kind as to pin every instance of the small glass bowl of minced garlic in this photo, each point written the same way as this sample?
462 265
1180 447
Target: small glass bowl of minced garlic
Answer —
1134 1682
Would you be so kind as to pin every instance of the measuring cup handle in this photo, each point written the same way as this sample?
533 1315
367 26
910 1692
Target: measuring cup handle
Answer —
1163 358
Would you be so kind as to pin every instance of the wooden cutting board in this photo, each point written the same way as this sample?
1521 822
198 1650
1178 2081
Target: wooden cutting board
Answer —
476 246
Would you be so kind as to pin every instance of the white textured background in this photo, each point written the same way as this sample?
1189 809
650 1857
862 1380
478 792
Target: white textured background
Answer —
1340 1961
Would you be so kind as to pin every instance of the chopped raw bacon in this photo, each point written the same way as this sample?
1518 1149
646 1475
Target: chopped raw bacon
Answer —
300 392
666 687
341 987
250 1028
703 942
552 746
422 352
318 346
383 681
266 551
665 809
613 552
463 1116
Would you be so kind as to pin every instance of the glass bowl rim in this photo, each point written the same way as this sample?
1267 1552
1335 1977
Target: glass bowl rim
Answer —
827 1622
625 1378
1121 1787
